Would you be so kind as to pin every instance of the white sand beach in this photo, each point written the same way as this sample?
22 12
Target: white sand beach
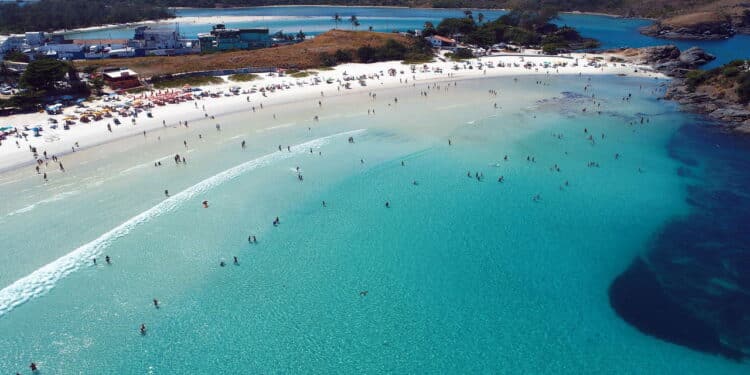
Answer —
277 89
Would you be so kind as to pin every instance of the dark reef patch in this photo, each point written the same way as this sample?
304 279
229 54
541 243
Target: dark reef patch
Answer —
692 287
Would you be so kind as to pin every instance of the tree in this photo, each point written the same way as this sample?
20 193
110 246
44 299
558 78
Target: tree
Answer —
44 74
97 84
336 19
451 26
18 56
354 21
300 35
429 29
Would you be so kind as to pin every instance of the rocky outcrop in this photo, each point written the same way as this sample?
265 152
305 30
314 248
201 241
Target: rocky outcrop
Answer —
734 116
693 26
668 59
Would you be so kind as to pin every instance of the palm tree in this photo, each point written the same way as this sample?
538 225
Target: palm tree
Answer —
336 19
355 22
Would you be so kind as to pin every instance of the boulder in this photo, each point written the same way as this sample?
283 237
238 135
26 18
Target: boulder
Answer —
695 56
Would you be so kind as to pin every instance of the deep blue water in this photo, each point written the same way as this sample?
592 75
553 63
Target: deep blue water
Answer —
691 287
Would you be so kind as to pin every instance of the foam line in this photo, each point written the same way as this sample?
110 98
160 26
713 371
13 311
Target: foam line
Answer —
45 278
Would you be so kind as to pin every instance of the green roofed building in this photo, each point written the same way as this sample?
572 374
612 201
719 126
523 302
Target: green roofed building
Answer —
222 39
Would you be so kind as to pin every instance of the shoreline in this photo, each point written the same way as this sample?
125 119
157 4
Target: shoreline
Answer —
236 18
292 90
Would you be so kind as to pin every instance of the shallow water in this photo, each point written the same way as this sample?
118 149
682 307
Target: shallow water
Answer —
610 31
458 275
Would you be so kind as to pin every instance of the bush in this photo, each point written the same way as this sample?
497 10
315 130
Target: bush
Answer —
461 54
743 87
163 82
326 59
247 77
694 78
17 56
342 56
730 71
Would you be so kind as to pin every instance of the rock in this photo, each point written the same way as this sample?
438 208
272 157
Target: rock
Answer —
731 114
695 56
660 54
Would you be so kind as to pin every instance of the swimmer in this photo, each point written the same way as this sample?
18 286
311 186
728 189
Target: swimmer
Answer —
236 262
143 329
222 264
205 204
387 204
324 204
166 193
33 367
108 259
156 303
94 261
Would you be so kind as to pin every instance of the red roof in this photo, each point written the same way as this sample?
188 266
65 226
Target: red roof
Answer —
444 39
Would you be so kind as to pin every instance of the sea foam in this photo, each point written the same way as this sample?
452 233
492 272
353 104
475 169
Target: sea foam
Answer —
45 278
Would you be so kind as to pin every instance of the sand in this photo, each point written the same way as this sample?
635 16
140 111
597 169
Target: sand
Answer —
81 136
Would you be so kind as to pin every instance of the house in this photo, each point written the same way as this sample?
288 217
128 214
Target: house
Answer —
438 41
120 78
222 39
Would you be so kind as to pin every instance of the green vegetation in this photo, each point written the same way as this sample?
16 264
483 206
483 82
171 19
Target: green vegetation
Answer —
420 51
48 15
45 79
734 75
17 56
460 54
300 74
165 82
244 77
528 25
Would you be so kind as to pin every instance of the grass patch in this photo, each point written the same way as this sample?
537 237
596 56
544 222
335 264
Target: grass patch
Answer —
301 74
167 82
246 77
324 68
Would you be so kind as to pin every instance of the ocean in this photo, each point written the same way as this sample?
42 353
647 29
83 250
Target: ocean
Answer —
459 273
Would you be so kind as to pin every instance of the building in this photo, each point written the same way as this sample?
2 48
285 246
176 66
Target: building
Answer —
438 41
13 42
222 39
162 41
61 51
120 78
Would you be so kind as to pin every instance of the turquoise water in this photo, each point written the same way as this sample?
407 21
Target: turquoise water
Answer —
457 276
610 31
